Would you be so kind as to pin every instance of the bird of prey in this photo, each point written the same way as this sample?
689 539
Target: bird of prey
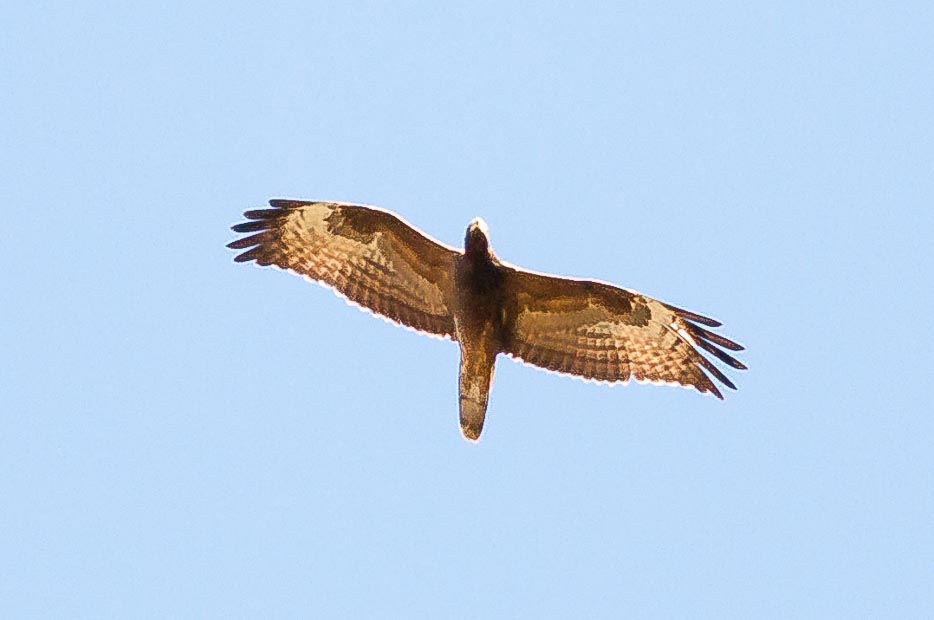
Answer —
586 328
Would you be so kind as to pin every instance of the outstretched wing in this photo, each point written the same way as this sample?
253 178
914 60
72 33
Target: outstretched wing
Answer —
597 331
369 256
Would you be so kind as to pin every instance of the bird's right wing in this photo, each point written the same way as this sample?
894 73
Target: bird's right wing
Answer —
369 256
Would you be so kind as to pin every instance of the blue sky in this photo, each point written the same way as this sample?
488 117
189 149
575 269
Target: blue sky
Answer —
184 436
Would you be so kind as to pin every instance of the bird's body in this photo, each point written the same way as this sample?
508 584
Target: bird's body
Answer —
580 327
480 317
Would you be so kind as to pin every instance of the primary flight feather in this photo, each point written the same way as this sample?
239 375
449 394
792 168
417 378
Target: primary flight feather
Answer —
583 328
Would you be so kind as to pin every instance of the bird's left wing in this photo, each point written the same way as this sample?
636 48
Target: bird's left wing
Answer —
604 333
369 256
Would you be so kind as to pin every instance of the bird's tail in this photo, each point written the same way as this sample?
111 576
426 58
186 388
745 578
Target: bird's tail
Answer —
472 415
476 375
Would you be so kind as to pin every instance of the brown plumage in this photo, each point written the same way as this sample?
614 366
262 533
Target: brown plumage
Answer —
578 327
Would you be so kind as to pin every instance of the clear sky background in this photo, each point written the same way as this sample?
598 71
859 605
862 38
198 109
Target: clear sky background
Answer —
184 436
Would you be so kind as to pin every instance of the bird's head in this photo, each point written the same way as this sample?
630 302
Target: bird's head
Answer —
477 241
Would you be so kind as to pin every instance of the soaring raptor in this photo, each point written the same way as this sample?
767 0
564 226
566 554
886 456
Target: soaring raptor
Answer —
585 328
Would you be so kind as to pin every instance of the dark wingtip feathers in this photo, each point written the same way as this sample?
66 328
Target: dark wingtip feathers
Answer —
718 375
262 214
252 226
726 343
709 341
251 254
691 316
245 242
724 357
284 204
261 221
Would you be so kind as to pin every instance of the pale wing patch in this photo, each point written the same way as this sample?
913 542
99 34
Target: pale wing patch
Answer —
311 218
